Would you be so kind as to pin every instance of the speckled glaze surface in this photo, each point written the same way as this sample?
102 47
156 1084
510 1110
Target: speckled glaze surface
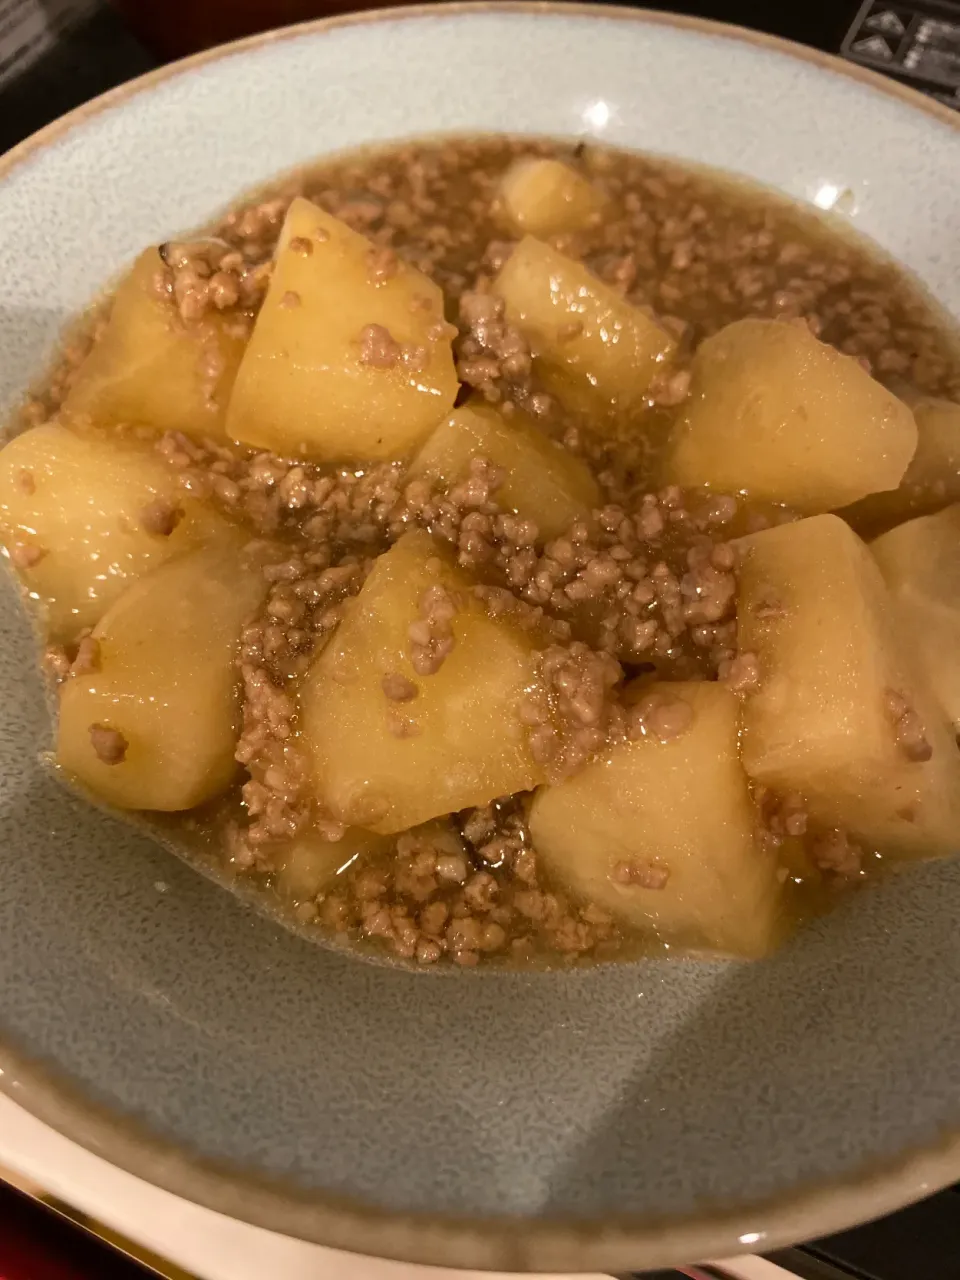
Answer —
618 1118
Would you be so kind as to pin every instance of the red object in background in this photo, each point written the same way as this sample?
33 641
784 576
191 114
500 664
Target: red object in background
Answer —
174 28
38 1244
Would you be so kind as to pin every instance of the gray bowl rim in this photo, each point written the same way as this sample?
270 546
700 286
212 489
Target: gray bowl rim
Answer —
612 1245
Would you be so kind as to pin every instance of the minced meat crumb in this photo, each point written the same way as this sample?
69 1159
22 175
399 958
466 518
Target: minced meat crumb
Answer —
377 347
207 277
26 555
836 853
781 815
87 659
431 636
463 891
741 674
908 728
576 709
302 607
492 353
161 517
109 744
398 688
660 715
384 264
645 875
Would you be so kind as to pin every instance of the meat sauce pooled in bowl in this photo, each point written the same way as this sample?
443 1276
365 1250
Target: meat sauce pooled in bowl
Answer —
500 551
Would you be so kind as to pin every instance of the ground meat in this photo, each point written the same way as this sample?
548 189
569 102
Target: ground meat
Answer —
710 581
478 825
377 347
26 555
576 709
493 356
781 815
434 895
639 599
340 507
302 607
645 875
398 688
660 715
601 575
836 853
87 659
207 277
431 636
109 744
161 517
608 581
611 581
452 867
497 834
428 951
741 674
908 728
254 227
402 726
383 263
78 657
672 389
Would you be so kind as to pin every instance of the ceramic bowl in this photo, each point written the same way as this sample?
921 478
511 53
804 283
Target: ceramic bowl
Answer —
618 1118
